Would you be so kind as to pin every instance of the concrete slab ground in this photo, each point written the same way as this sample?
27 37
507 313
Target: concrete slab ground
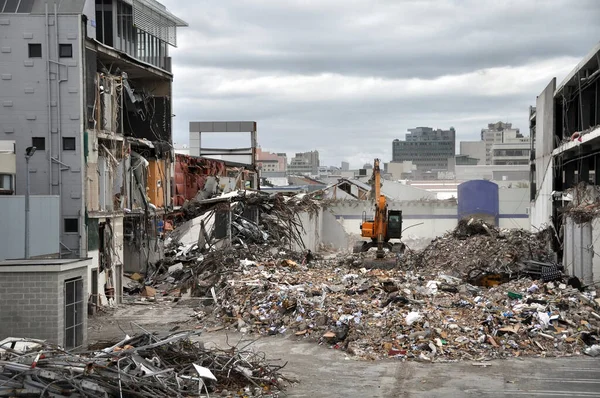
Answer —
324 372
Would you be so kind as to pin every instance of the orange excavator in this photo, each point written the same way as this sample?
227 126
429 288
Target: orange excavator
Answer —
385 225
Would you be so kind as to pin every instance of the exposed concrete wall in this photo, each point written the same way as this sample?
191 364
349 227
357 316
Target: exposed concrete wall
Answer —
474 149
595 249
44 231
541 207
311 236
399 191
578 250
425 219
334 234
513 205
544 144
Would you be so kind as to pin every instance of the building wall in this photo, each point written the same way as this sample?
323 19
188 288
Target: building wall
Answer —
514 208
312 224
578 253
497 133
425 219
397 169
33 303
487 172
44 231
427 148
544 144
510 153
334 235
398 191
25 113
474 149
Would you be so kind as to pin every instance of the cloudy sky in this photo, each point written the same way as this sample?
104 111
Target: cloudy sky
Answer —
346 77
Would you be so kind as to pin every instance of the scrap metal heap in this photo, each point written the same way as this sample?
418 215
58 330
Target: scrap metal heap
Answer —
141 366
431 307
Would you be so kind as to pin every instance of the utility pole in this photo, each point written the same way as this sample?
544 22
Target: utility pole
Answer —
28 154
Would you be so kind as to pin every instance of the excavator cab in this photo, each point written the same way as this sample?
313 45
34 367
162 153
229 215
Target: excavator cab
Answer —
394 227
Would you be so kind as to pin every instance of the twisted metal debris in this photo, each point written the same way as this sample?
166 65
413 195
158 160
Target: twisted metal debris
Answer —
139 366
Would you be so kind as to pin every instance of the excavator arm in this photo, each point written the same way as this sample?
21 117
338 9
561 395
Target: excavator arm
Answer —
377 228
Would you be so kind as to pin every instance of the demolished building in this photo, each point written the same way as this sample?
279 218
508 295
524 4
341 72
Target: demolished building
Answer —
89 84
565 165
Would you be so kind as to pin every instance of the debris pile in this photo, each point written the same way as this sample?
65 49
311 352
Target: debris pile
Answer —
431 307
256 218
141 366
583 203
474 248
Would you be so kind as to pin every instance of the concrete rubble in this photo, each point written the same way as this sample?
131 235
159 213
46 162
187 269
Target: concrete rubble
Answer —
432 306
146 365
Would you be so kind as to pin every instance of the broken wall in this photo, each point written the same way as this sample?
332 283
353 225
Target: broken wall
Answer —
312 224
544 144
423 219
514 208
578 254
333 234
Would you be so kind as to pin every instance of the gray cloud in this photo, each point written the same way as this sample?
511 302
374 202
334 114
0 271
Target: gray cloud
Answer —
347 77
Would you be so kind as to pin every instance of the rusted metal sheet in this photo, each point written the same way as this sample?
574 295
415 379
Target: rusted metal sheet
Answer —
191 174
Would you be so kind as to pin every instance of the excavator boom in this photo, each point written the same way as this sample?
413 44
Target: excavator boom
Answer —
378 229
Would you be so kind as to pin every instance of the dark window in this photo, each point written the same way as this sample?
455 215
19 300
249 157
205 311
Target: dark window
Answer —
68 143
39 143
71 225
65 50
35 50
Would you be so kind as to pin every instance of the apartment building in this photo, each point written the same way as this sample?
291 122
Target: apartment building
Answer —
271 162
565 166
88 83
497 137
304 163
426 148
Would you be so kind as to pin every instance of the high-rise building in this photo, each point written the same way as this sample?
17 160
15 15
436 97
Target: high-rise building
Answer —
501 133
88 83
304 163
427 148
505 145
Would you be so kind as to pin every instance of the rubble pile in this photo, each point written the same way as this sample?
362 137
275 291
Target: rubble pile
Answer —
474 247
430 307
279 219
376 313
583 203
141 366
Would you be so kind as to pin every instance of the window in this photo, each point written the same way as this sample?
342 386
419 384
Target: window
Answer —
35 50
65 50
39 143
71 225
68 143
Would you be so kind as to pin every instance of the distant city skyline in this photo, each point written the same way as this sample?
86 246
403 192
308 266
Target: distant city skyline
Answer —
347 80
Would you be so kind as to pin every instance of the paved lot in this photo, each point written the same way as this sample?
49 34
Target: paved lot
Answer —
324 372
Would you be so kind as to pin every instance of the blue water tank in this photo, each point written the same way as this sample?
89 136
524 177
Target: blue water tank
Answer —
478 199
